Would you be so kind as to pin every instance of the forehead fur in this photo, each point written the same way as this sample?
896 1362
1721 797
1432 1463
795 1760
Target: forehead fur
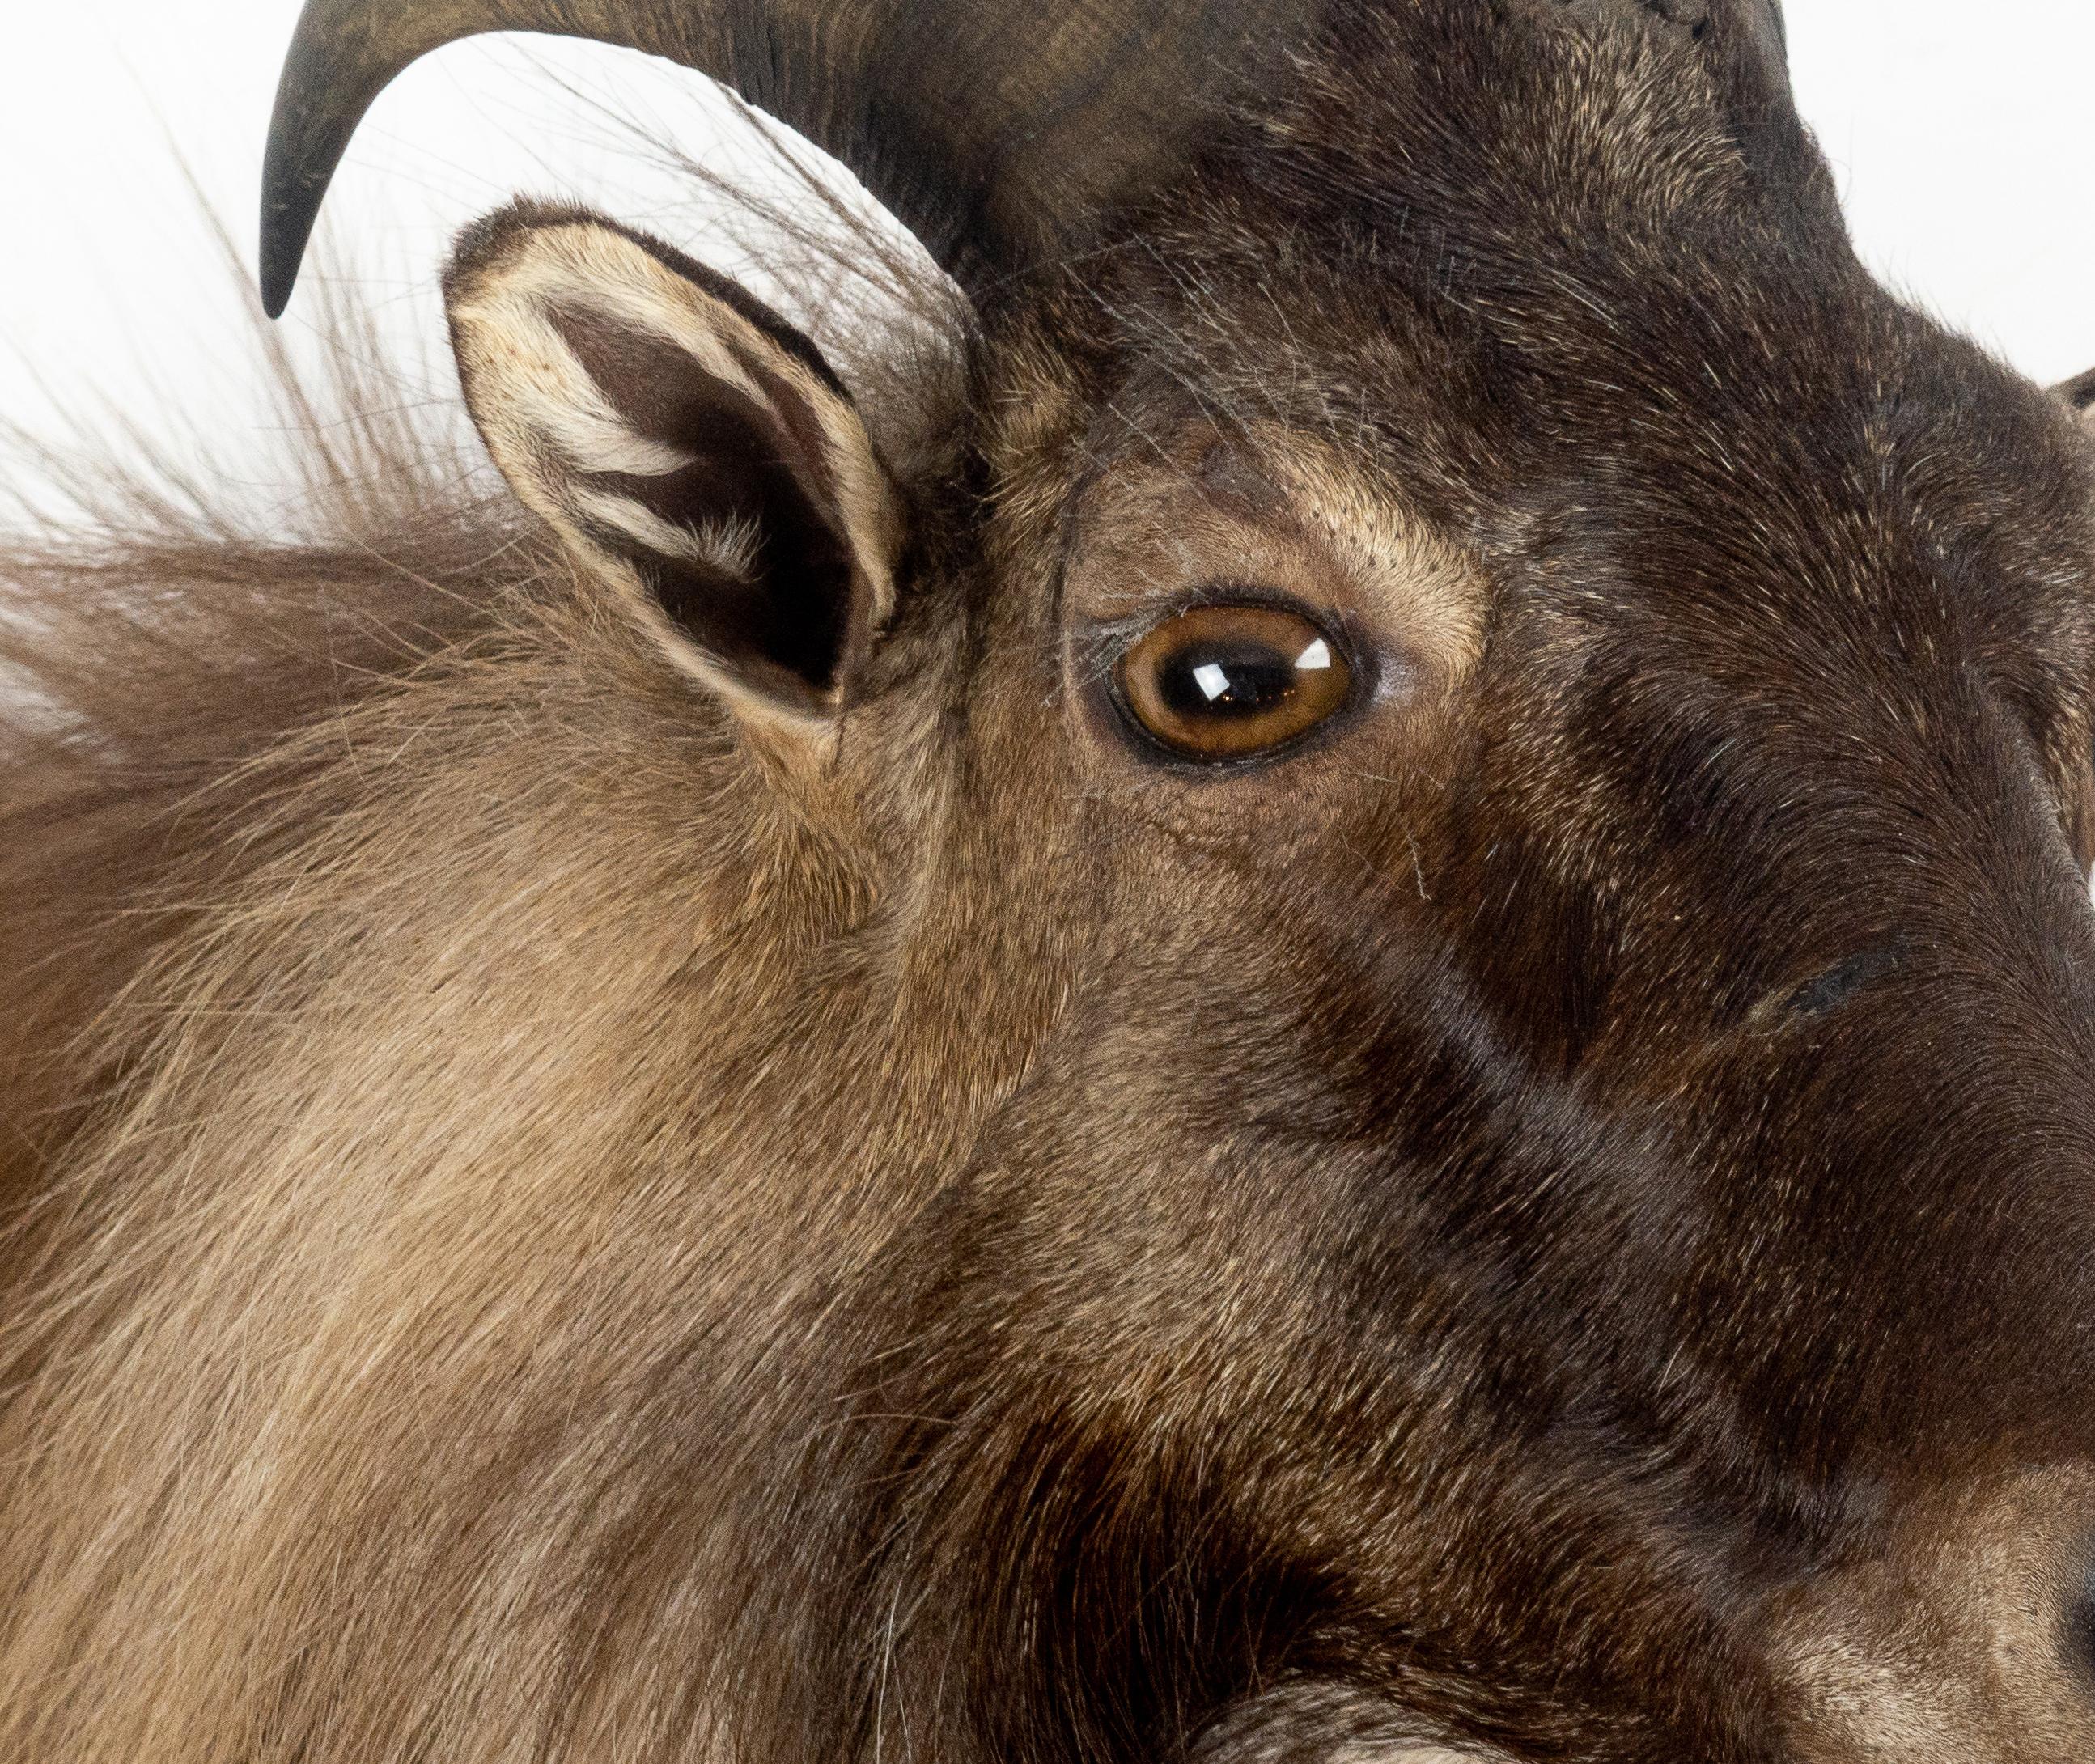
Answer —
1527 253
1494 122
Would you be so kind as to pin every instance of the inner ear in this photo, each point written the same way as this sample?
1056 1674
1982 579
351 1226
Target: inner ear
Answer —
739 545
694 451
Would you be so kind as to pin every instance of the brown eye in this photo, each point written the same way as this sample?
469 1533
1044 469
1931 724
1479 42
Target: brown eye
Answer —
1221 682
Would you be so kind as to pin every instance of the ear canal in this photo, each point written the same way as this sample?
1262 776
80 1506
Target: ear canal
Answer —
693 451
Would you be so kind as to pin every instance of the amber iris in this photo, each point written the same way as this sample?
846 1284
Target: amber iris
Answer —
1227 682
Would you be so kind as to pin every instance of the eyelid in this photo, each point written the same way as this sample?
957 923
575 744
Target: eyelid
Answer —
1129 626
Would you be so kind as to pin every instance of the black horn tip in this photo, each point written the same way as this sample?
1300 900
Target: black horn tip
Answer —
292 187
321 96
283 249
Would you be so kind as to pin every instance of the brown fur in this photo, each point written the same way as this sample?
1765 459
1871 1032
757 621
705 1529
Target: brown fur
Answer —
1550 1223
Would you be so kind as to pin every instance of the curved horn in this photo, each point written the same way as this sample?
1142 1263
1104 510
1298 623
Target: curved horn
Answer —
988 128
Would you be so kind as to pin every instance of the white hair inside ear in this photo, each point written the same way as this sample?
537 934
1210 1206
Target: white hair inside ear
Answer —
1322 1723
700 462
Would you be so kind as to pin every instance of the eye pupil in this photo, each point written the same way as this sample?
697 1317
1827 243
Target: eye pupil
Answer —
1223 681
1200 682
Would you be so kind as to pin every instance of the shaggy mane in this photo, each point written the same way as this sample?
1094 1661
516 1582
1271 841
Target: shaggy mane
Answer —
176 680
270 785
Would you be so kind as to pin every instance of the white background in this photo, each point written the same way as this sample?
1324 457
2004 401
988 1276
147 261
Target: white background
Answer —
1960 132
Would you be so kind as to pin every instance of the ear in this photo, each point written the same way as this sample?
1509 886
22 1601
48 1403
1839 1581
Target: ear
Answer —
2079 397
694 452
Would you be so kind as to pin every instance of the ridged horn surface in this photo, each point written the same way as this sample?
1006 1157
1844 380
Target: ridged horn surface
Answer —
990 128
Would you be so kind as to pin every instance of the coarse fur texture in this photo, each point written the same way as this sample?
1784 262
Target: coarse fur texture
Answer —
555 1214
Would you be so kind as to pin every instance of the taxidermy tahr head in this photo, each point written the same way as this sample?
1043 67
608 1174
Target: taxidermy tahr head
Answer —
1330 1001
